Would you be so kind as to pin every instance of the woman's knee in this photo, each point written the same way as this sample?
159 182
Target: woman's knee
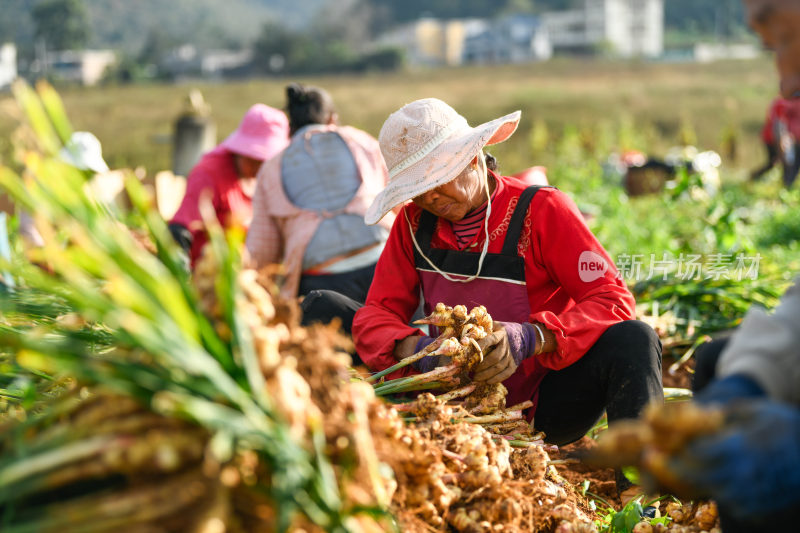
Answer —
634 331
634 338
324 305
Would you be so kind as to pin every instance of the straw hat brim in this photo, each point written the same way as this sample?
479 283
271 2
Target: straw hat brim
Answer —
442 165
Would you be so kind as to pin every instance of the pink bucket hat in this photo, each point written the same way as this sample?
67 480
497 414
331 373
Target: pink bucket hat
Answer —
263 132
426 144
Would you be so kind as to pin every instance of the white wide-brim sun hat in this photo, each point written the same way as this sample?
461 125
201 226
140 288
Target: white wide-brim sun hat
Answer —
426 144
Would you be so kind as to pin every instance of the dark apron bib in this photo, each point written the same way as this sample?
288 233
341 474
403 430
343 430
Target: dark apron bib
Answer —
500 287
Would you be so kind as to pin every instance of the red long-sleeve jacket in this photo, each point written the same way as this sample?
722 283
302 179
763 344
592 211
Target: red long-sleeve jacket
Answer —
567 290
215 174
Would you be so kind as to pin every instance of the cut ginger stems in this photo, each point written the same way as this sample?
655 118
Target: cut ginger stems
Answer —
441 346
441 374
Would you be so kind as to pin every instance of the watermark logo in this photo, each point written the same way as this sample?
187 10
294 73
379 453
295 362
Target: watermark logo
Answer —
687 267
591 266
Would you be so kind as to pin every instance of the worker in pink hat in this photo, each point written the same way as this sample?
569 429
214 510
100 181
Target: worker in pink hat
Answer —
228 175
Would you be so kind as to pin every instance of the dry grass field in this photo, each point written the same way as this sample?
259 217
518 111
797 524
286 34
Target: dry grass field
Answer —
608 105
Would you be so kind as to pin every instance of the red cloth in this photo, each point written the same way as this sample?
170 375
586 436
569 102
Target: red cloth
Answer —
552 242
216 174
785 111
533 176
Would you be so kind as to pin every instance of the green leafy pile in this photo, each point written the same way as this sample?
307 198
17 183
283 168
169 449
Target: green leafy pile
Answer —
140 331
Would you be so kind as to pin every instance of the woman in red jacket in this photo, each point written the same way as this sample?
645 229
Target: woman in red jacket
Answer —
566 337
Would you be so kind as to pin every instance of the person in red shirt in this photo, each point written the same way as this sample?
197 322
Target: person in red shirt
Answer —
565 335
227 174
781 137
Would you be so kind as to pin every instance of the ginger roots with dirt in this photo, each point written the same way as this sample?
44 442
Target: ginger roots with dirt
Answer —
462 461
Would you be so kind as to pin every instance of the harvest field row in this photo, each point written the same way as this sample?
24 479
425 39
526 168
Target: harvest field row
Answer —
134 395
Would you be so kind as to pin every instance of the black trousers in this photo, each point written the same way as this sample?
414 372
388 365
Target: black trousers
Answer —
325 305
705 361
791 168
322 306
619 375
353 284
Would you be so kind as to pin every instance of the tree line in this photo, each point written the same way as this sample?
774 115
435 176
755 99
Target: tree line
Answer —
336 38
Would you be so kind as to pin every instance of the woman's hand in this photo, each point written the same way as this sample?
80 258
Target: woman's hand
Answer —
411 345
406 347
498 361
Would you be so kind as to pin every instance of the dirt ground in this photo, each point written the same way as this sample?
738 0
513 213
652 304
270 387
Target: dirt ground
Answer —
601 481
681 378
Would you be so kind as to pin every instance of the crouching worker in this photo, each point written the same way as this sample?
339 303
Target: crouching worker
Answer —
748 460
781 138
227 175
752 466
309 204
565 337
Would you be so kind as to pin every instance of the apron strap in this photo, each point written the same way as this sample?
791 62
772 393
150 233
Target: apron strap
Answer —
517 219
427 224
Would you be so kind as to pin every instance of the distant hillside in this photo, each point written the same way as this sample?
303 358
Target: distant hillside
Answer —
126 24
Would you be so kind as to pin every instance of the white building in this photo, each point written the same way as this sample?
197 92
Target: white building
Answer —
188 61
86 67
510 39
433 42
709 52
8 64
627 28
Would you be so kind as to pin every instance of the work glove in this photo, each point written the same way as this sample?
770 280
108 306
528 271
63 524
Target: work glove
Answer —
426 364
766 348
752 466
504 350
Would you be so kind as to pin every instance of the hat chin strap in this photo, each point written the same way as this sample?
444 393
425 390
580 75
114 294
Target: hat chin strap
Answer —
482 162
